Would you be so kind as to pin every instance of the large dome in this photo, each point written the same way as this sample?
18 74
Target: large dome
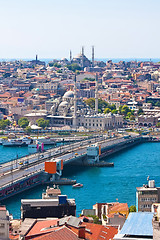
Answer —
69 94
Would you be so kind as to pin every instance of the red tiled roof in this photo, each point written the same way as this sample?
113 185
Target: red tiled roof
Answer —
62 233
98 232
41 227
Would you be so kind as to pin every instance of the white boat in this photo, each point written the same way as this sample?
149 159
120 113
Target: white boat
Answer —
13 143
47 140
77 185
26 140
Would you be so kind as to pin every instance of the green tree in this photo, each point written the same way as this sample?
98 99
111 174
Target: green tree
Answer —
91 102
28 130
140 111
43 123
132 117
102 105
132 208
158 124
57 65
95 219
23 122
59 71
114 111
4 123
107 110
73 67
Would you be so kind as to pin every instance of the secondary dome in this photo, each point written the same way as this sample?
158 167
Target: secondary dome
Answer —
63 104
69 94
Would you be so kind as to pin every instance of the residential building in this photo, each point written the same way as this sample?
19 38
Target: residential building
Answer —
4 223
146 196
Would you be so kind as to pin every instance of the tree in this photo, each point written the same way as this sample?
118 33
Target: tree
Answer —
102 105
158 124
132 117
125 109
57 65
107 110
95 219
28 130
132 208
114 111
140 111
23 122
4 123
91 102
73 67
43 123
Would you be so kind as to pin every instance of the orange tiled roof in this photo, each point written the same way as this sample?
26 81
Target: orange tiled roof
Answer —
62 233
98 232
118 207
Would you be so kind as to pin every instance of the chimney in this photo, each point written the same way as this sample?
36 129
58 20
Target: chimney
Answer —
81 232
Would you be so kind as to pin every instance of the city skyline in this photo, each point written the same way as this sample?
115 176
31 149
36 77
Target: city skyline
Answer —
117 29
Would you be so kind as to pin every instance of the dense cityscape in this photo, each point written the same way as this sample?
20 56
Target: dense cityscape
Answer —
86 110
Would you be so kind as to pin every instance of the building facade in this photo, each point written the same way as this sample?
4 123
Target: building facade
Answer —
146 196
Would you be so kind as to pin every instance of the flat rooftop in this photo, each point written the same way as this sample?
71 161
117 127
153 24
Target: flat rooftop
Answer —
138 224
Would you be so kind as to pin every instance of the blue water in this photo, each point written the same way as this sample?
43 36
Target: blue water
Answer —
131 168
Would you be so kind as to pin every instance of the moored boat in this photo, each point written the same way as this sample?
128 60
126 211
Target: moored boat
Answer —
13 143
77 185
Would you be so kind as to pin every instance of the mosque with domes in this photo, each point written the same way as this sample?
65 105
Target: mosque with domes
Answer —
71 111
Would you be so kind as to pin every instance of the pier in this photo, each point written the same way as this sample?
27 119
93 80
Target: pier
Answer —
16 177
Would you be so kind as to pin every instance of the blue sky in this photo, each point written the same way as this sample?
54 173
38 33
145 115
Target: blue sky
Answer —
50 28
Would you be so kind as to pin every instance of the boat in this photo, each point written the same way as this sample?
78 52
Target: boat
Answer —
26 140
47 141
77 185
13 143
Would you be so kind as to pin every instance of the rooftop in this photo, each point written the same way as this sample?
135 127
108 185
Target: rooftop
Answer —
138 224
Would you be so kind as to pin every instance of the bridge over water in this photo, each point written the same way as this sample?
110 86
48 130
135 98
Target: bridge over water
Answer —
15 178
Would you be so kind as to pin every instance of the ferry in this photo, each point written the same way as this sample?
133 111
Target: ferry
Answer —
13 143
77 185
47 141
17 142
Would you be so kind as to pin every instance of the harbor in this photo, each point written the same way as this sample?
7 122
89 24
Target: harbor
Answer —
104 184
47 166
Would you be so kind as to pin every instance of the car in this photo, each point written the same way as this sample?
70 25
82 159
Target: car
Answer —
20 163
76 153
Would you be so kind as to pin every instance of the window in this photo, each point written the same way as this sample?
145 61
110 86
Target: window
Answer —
2 225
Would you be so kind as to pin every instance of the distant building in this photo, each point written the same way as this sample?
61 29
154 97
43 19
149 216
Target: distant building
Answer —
146 196
4 223
147 120
71 110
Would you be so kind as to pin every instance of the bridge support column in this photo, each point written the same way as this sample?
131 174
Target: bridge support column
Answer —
93 153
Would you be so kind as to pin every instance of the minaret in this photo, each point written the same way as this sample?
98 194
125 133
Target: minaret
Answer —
82 57
75 104
96 94
36 57
70 55
92 56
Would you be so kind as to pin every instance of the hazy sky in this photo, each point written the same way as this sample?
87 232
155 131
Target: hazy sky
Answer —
50 28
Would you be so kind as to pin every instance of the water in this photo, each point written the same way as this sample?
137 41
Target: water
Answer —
131 168
115 60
